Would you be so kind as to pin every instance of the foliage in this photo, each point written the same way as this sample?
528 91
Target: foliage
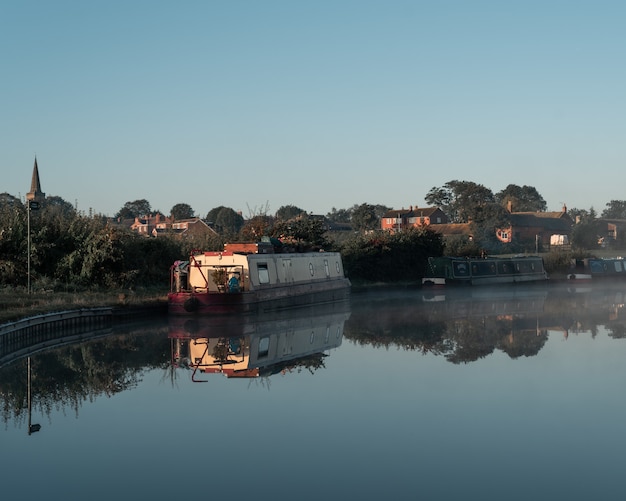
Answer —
586 233
339 215
460 199
522 198
389 257
488 218
257 227
364 217
615 209
302 232
182 211
134 209
287 212
225 220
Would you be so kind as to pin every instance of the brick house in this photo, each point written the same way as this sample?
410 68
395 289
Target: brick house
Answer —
536 226
395 220
155 225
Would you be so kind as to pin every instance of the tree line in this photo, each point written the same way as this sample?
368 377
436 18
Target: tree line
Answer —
72 251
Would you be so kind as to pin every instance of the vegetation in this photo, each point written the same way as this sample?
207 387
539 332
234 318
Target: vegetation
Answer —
68 252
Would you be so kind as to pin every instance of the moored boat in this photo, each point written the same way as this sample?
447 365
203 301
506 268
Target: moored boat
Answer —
594 268
448 270
247 278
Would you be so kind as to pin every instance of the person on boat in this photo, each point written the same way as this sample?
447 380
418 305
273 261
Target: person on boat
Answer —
233 283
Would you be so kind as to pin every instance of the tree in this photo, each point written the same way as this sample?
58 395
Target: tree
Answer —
304 231
364 218
616 209
486 220
522 199
257 227
287 212
134 209
339 216
182 211
460 199
225 220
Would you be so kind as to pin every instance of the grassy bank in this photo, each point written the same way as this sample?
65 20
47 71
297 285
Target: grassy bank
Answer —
16 304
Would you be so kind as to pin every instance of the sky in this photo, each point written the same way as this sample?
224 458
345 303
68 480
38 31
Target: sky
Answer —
321 104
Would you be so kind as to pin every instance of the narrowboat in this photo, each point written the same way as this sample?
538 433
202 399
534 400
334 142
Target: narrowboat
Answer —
483 271
245 278
594 268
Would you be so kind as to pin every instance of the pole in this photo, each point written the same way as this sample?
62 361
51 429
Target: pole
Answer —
28 244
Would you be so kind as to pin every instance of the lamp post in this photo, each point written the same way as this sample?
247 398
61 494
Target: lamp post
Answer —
30 205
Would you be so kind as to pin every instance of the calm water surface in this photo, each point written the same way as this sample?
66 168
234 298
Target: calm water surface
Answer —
514 393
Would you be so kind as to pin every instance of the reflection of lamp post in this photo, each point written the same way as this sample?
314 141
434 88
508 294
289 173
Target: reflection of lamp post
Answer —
32 428
30 205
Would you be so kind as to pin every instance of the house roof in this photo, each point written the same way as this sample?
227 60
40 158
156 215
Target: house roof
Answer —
411 211
552 221
450 229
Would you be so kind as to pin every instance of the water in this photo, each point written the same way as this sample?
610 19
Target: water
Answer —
513 393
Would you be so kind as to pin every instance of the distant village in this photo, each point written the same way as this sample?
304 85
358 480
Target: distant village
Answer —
548 229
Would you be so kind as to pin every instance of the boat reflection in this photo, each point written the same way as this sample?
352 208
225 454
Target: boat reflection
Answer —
252 347
467 324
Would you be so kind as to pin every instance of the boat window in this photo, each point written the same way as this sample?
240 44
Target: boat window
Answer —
264 275
505 268
326 268
337 266
311 269
264 346
596 266
483 268
460 269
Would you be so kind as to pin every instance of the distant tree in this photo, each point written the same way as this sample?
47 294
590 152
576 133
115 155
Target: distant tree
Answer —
257 227
364 217
56 205
460 199
486 220
225 220
9 201
339 216
134 209
582 215
182 211
585 234
287 212
615 209
522 199
303 231
212 214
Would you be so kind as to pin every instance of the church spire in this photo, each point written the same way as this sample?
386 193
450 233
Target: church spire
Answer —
35 192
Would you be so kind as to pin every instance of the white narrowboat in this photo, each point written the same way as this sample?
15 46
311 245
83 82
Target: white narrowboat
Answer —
252 278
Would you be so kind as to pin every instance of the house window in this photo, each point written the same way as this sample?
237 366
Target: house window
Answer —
438 220
505 235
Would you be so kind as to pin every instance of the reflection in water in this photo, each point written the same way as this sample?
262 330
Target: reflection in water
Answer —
249 347
461 325
466 324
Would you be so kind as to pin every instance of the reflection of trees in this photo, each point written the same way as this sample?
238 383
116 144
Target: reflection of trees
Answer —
468 326
66 377
310 363
437 331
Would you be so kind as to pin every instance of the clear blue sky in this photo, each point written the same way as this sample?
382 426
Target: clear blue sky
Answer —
320 104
